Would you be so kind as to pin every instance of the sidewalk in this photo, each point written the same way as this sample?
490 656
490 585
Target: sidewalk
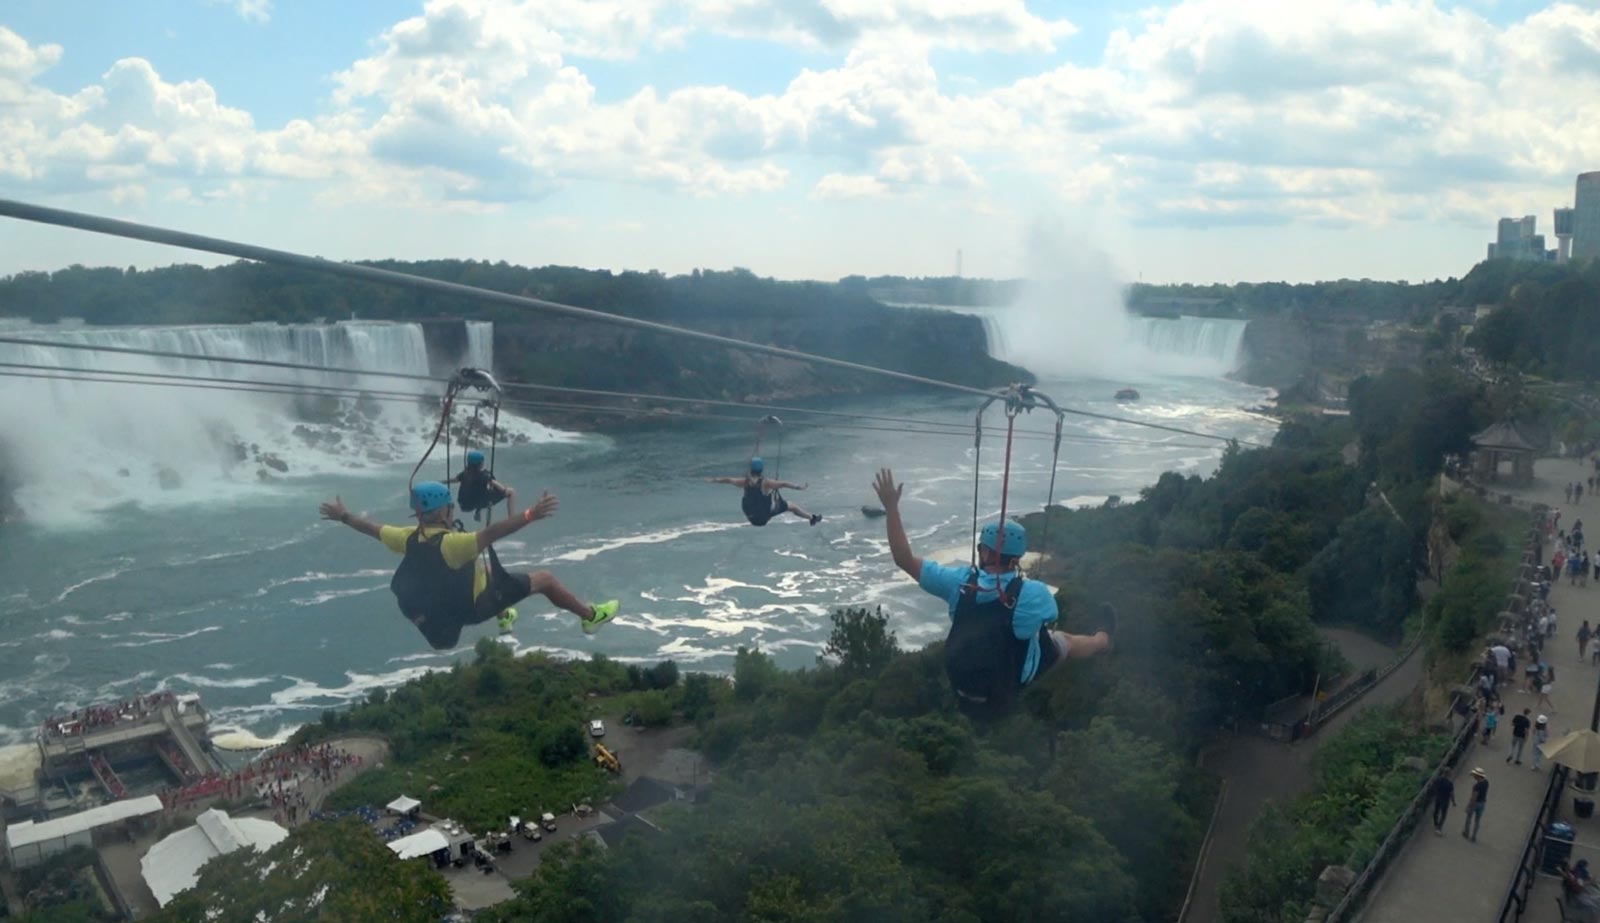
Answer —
1450 878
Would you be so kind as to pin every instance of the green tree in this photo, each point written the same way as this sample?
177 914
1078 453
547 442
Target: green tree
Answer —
861 640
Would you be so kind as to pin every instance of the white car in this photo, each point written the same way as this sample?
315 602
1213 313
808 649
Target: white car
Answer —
597 728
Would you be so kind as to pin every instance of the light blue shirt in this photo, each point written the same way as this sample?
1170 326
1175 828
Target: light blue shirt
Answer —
1035 608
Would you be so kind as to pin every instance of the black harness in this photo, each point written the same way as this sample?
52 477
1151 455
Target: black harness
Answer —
982 655
432 594
438 599
474 492
759 506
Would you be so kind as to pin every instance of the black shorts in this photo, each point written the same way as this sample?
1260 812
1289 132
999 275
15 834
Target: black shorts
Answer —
1048 652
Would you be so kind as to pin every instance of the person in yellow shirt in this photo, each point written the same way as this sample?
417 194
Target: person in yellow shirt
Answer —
435 585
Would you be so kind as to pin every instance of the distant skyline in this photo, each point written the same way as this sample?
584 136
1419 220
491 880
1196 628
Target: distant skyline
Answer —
1198 141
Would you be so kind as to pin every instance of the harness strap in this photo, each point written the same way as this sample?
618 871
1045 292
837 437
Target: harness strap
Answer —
1005 489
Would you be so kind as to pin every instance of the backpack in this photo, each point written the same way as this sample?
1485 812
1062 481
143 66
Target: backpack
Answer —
982 655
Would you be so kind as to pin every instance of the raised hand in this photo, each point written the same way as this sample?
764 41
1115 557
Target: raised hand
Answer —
334 510
887 490
546 507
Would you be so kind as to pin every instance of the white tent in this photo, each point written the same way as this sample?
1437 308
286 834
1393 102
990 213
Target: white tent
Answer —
422 843
404 805
28 843
173 865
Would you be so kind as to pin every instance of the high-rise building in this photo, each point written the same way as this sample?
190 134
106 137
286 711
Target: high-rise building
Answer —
1515 239
1564 218
1586 217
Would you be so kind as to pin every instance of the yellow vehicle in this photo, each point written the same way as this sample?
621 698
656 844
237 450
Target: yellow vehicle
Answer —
605 759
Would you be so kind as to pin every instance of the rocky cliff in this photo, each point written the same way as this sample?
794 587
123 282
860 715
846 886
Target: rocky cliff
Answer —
582 354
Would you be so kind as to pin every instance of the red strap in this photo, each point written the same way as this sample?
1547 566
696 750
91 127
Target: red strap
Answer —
1005 488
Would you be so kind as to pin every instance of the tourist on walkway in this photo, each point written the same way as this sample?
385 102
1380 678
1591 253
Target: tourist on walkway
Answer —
1519 735
1584 634
1475 803
1548 684
1541 733
1491 718
1444 795
1502 661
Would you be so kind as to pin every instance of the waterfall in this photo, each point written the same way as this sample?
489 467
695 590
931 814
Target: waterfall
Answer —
480 345
73 446
1206 344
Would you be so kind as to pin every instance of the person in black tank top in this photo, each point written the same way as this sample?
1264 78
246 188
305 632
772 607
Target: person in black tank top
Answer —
762 500
479 490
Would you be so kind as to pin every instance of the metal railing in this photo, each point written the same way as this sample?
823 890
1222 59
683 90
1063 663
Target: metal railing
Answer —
1533 851
1400 833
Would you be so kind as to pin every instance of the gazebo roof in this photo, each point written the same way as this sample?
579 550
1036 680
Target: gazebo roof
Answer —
1503 435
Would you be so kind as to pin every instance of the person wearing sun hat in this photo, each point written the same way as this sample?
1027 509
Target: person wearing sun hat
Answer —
1475 803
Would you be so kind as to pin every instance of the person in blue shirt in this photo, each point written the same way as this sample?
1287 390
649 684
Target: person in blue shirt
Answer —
1000 639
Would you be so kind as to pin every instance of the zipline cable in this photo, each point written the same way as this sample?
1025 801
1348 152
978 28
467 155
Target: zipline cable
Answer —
412 376
136 231
290 389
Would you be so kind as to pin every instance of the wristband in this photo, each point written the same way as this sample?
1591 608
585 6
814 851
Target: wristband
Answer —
345 517
527 515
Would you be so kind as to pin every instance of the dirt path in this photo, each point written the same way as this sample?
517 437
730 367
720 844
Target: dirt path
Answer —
1257 771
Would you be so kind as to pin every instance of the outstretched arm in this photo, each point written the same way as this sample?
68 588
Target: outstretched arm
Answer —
736 482
785 485
336 511
544 509
899 546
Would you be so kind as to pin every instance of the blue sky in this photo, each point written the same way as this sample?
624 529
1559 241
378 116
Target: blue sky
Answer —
1204 140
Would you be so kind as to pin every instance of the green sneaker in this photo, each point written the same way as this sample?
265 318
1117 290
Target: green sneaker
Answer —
601 614
506 620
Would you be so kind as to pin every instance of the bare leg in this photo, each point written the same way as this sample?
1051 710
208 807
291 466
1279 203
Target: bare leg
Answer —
1082 647
798 511
543 583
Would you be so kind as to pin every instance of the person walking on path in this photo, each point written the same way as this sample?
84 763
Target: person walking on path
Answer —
1541 733
1444 795
1519 735
1584 634
1491 719
1547 684
1475 803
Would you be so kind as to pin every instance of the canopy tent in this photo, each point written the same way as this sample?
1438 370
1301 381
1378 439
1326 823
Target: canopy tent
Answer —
403 805
1579 751
28 842
422 843
173 865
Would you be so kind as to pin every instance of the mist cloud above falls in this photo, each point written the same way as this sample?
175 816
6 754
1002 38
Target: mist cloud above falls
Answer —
1070 320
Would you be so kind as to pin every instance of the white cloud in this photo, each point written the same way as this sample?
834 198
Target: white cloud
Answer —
256 11
1332 112
971 25
849 186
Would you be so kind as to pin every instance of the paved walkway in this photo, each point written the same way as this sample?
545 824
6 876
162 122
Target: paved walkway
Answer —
1258 770
1450 878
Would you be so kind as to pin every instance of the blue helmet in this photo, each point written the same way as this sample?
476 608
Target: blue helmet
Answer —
1016 541
474 458
428 496
756 464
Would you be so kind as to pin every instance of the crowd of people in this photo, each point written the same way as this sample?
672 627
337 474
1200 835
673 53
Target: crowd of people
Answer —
279 778
103 716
